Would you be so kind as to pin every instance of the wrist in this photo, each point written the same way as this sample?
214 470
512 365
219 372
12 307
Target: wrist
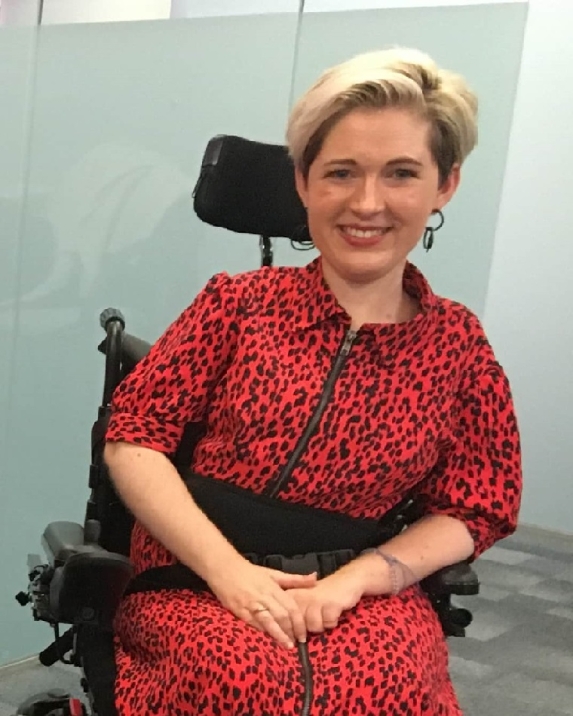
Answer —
370 573
215 566
399 575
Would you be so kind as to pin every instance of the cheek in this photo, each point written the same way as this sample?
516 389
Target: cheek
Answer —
413 206
325 204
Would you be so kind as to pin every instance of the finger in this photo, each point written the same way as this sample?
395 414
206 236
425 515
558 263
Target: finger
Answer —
248 617
298 625
252 622
313 618
330 616
296 616
269 624
288 615
294 581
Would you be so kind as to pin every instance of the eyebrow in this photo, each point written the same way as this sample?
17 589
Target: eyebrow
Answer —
392 162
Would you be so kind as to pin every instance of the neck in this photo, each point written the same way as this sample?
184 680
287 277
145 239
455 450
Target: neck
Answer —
381 301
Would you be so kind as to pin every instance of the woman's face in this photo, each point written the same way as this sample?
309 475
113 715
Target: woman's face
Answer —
370 192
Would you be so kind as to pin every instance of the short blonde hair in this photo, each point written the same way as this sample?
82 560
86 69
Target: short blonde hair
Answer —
398 77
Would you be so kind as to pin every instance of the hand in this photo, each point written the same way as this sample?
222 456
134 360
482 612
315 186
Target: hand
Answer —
258 596
322 605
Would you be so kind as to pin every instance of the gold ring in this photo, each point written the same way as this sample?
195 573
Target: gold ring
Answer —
261 609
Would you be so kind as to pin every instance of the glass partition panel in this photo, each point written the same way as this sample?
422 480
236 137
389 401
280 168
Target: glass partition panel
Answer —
18 36
122 114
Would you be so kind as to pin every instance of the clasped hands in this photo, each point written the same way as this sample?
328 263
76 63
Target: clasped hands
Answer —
288 606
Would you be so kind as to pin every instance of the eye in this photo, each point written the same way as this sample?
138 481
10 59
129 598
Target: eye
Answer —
404 173
338 173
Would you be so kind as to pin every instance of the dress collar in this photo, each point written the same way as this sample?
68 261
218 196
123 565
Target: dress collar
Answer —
318 303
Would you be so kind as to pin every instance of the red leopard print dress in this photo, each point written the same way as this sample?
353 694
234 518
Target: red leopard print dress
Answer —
422 403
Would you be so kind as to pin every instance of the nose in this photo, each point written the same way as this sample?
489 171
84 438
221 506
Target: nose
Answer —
368 198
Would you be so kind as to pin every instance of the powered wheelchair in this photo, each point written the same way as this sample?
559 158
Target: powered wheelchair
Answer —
245 187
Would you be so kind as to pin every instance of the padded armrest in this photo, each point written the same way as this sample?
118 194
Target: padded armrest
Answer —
88 581
457 579
133 349
88 588
62 539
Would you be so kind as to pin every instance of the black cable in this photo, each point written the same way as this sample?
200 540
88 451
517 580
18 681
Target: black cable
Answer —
306 677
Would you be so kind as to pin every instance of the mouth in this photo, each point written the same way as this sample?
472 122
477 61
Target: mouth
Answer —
363 236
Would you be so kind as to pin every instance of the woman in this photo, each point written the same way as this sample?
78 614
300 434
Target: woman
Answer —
341 386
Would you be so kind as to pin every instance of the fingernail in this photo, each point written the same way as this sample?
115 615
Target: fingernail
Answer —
290 645
303 640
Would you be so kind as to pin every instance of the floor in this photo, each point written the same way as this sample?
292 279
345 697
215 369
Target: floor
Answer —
517 659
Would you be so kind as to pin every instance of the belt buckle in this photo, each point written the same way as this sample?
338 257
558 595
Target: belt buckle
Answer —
297 564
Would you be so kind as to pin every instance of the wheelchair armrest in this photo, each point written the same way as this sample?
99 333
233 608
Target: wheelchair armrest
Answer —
61 540
456 579
133 349
86 582
89 586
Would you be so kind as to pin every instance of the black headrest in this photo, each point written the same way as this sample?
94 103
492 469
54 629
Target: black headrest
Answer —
248 187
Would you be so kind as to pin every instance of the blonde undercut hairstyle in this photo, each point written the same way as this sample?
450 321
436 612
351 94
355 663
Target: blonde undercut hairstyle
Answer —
398 77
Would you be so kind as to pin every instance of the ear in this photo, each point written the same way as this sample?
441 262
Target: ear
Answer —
449 187
301 186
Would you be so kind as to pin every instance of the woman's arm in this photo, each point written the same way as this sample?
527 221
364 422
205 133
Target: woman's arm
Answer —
152 489
434 542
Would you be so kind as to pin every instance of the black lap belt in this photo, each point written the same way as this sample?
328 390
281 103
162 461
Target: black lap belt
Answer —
277 534
178 576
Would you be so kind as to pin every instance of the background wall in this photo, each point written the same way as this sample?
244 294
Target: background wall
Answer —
103 135
528 311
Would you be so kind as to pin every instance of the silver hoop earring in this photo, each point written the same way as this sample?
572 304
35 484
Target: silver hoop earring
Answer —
428 240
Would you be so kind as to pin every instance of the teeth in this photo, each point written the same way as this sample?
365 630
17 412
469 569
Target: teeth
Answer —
363 233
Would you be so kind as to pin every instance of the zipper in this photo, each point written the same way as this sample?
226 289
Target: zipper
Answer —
344 351
306 669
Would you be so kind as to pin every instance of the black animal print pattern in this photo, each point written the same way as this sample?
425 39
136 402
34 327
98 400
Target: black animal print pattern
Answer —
422 404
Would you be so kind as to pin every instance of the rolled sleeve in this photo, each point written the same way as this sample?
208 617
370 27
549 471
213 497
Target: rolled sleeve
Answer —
478 477
171 386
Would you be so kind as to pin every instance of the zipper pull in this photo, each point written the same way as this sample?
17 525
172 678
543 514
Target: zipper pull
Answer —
348 341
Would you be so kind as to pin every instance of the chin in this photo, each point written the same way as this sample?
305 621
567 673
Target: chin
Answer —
376 263
367 271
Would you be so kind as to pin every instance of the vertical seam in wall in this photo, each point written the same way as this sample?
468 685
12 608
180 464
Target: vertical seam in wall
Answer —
506 163
296 53
28 135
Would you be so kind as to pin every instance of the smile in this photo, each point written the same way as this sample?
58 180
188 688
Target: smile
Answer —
365 233
362 237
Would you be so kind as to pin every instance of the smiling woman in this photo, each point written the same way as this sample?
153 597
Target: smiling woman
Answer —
378 143
332 392
369 193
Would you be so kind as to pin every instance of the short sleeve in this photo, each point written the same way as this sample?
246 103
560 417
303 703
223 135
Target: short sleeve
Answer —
171 386
478 476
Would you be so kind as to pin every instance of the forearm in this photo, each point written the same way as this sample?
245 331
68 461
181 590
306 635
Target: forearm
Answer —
153 490
434 542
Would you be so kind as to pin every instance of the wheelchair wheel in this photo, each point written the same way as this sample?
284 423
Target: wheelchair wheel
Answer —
52 703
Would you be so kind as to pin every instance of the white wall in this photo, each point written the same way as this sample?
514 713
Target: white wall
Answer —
529 315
